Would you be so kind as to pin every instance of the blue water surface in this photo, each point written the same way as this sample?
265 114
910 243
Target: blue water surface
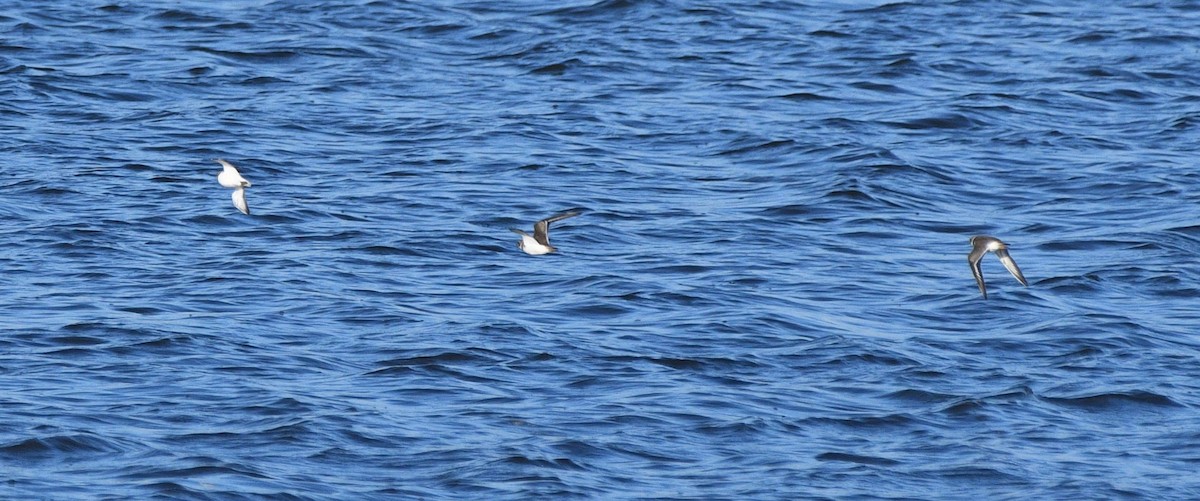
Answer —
766 297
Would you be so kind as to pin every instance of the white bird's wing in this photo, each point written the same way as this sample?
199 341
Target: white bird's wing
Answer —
541 230
239 201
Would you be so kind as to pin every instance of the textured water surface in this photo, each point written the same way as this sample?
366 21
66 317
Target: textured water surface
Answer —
767 296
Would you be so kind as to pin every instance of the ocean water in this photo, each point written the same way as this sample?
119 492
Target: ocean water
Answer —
766 296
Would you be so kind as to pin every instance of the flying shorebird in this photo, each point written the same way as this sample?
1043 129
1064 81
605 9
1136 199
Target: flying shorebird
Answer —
231 178
980 245
539 243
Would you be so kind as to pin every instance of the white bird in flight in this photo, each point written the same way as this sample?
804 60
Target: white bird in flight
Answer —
231 178
539 243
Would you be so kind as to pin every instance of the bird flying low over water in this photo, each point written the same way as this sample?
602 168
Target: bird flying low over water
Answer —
981 245
231 178
539 242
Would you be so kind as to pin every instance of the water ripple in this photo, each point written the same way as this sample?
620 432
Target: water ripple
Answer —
767 296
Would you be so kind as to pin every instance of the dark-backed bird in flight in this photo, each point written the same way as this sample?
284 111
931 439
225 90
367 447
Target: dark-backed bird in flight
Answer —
981 245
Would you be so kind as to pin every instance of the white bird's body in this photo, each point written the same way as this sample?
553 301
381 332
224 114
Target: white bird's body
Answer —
531 246
231 178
